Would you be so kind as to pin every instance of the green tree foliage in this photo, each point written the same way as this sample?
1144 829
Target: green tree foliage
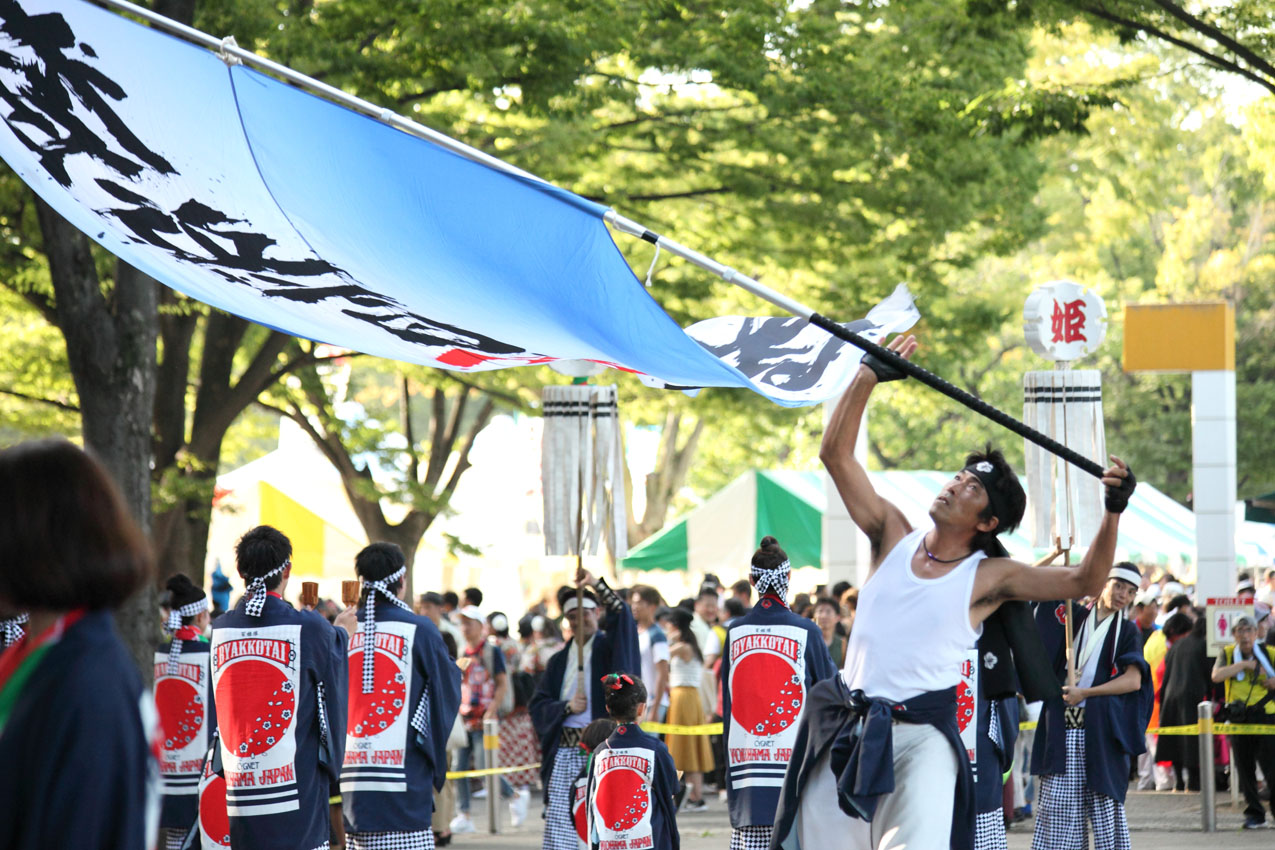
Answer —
1166 199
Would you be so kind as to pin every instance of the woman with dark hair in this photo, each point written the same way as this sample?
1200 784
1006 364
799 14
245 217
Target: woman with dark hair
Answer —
772 659
1186 683
693 754
76 723
632 782
184 700
403 699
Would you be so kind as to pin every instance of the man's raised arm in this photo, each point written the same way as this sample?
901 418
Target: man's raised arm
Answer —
880 520
1049 583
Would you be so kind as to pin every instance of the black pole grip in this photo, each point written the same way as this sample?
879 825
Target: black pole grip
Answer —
958 394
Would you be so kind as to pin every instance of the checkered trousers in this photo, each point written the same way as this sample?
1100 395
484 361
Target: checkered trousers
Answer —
1064 804
989 831
560 830
750 838
423 840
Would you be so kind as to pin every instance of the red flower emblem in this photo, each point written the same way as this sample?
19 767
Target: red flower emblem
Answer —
371 714
213 819
181 712
964 706
769 694
622 799
260 706
1060 613
579 811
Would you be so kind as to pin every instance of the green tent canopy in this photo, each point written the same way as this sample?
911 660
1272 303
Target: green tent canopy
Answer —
722 533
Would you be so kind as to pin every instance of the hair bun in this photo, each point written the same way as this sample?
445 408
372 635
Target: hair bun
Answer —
178 583
767 541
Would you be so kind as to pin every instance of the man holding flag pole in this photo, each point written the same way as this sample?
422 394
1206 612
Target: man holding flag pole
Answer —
858 777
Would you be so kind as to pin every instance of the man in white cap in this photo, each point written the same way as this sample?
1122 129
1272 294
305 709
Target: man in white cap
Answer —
1084 745
570 695
482 688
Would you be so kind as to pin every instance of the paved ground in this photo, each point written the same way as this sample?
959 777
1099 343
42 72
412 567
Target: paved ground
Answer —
1157 821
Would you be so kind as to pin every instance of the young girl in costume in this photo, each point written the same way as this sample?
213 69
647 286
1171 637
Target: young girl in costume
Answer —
594 734
184 700
632 781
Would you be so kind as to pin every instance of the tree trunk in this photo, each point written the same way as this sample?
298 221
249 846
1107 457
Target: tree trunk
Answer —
672 465
110 346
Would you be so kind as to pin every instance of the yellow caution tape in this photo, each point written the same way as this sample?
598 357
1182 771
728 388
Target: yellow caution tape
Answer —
1194 729
1027 725
673 729
490 771
1217 729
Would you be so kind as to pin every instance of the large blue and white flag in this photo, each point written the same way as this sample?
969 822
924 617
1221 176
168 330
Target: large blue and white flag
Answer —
273 204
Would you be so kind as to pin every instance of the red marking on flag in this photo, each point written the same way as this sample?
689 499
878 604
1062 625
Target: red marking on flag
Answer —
461 359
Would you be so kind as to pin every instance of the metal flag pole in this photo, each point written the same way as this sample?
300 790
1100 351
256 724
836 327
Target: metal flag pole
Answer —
232 53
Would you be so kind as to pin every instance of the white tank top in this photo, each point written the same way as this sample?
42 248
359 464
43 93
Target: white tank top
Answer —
684 674
910 634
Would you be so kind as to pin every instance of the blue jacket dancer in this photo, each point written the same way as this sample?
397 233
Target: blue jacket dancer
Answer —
279 686
632 780
1086 742
771 660
564 704
864 779
399 716
183 697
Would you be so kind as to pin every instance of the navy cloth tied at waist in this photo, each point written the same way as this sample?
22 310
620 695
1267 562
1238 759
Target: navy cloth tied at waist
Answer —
862 754
857 733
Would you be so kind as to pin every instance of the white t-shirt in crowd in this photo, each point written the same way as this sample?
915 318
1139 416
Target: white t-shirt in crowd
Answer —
653 647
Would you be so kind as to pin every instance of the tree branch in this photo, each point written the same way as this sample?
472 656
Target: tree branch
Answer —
52 402
1202 26
1224 64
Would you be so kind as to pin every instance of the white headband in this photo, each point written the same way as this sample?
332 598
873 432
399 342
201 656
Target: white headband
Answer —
1126 574
175 616
572 601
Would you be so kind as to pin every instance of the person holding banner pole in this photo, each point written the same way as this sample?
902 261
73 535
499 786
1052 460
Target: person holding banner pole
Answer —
958 573
1085 744
570 694
770 652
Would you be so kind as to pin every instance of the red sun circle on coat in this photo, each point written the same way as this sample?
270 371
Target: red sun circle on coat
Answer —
213 819
580 811
181 712
964 706
372 714
259 705
622 799
766 694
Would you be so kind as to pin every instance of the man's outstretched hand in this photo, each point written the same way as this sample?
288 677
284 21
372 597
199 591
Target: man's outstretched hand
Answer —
1120 482
903 346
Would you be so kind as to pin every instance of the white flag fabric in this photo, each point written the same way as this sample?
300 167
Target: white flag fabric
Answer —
273 204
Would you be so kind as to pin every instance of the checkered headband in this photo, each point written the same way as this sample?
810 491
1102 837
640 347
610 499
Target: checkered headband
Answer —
257 590
174 623
369 621
774 580
11 630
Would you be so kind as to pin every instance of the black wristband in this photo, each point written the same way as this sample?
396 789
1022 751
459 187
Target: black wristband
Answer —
884 371
1117 498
